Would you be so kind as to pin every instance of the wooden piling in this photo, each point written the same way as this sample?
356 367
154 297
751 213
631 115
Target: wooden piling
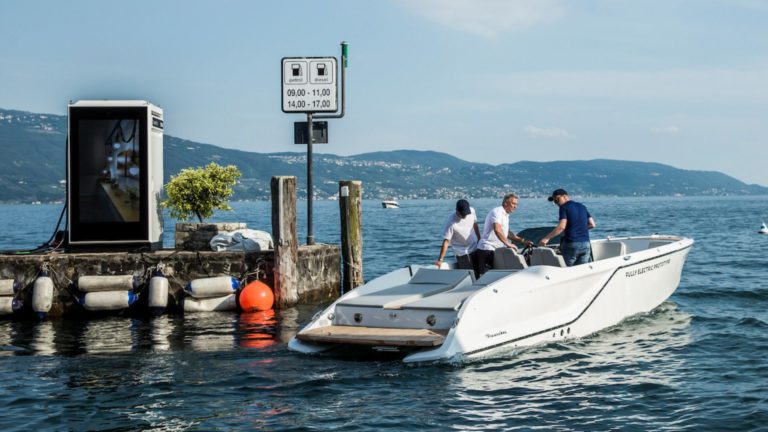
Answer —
350 206
286 244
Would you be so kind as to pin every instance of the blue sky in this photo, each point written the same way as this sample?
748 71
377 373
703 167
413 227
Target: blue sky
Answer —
680 82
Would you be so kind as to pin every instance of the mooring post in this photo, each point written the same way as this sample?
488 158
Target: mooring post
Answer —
350 206
285 239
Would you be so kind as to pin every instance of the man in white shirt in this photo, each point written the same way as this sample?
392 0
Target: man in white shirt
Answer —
462 233
496 233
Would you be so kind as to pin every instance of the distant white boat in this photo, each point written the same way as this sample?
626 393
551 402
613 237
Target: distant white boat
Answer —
390 203
763 229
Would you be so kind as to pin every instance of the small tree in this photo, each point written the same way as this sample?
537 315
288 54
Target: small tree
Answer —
200 191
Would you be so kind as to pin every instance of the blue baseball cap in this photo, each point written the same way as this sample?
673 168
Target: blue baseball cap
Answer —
556 194
462 207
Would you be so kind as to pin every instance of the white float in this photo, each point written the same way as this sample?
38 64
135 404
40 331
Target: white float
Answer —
7 304
88 284
224 303
212 287
42 294
8 287
158 291
108 300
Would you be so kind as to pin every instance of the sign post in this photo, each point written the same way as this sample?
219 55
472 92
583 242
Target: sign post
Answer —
310 190
310 85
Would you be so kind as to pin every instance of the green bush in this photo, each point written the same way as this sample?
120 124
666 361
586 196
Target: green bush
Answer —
200 191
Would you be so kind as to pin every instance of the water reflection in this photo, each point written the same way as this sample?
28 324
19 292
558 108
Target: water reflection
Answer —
290 323
43 339
161 329
108 336
639 355
205 332
257 329
6 338
210 331
293 319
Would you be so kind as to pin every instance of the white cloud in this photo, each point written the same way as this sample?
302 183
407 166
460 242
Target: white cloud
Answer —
666 130
486 18
548 133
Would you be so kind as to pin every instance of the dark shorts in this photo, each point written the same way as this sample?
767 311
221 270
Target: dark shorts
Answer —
484 261
468 262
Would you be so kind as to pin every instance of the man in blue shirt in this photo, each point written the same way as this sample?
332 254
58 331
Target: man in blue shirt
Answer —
575 222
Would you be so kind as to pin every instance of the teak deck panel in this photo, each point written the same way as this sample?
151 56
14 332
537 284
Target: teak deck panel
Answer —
373 336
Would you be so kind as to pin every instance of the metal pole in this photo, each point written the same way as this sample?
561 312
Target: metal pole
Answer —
344 56
310 235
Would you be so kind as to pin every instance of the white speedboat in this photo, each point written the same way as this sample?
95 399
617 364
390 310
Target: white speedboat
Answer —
390 203
427 314
763 229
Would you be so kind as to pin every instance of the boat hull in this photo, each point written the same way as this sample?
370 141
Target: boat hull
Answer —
522 308
597 296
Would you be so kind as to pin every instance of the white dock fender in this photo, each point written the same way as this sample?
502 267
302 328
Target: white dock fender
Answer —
88 284
42 294
212 287
158 291
108 300
223 303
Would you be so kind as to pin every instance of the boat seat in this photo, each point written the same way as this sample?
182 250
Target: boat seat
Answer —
547 257
452 299
438 276
426 282
607 249
508 259
445 300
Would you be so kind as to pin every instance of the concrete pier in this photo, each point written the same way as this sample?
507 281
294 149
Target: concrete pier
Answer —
318 272
298 274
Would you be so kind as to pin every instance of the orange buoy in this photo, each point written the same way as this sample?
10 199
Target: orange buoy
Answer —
256 296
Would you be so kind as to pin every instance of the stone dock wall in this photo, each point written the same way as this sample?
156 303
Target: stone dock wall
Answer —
318 266
297 274
319 273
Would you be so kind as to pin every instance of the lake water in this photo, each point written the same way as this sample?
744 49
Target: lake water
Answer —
698 362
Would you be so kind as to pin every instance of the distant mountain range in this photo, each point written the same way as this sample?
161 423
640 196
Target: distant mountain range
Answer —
32 169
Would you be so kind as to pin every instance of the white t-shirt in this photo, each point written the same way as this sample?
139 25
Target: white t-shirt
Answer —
489 240
460 233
